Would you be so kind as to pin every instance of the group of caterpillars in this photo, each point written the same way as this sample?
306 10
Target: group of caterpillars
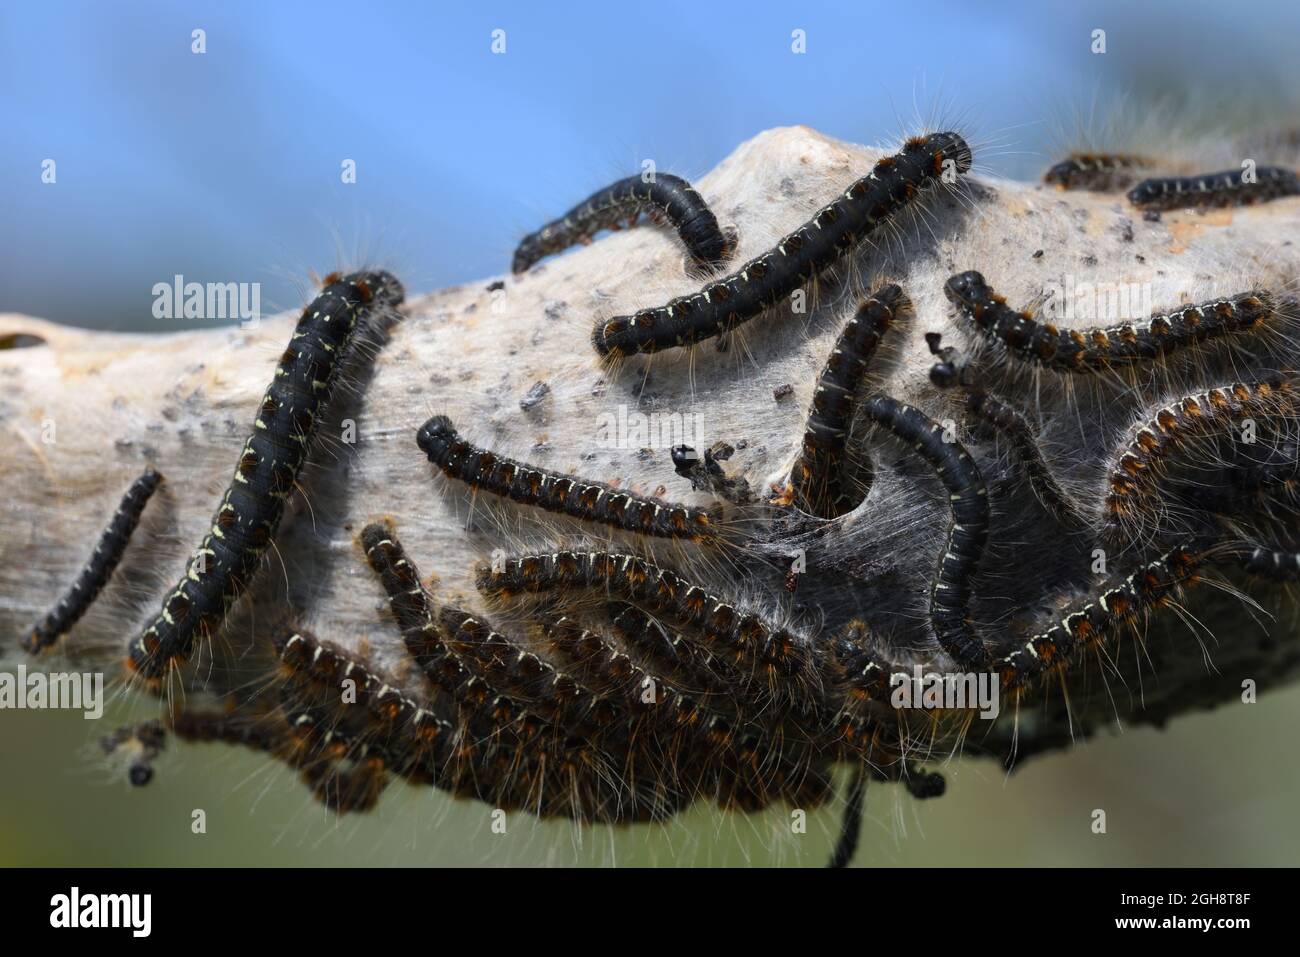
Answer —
681 695
1107 172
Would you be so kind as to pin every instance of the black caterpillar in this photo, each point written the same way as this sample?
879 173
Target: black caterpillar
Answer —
1155 584
246 520
726 303
1009 423
103 562
664 195
1278 565
1144 458
950 593
783 663
1092 350
523 715
562 494
816 478
1096 172
1209 190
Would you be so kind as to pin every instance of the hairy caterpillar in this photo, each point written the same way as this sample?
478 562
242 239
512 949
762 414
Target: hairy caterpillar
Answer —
1227 188
1069 350
246 520
1096 172
664 195
866 675
592 658
410 739
426 640
466 656
687 664
1009 422
950 593
406 725
846 845
96 573
587 735
553 695
785 660
342 771
407 737
1143 459
299 741
1151 586
1275 564
873 565
650 706
562 494
816 478
254 732
650 702
457 651
805 253
303 739
416 736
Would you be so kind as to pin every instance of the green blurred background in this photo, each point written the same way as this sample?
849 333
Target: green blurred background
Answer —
1217 788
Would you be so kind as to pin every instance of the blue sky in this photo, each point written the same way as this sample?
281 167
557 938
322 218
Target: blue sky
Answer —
225 166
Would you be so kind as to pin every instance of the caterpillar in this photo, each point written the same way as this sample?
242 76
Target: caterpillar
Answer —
246 520
1009 422
318 751
561 728
686 663
757 648
302 739
610 716
450 646
816 477
1144 458
554 696
1096 172
1092 350
655 717
1226 188
836 228
950 593
346 791
737 744
665 195
410 738
593 660
226 727
96 573
866 677
846 845
648 699
394 716
1274 564
298 741
463 656
1153 585
565 495
507 668
426 640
